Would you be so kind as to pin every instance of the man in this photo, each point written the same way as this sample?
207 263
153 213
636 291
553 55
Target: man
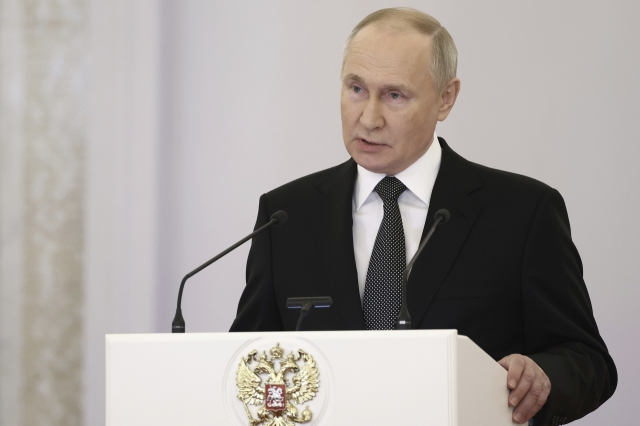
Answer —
503 271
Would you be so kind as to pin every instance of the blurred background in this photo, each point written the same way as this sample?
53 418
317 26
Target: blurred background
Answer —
136 137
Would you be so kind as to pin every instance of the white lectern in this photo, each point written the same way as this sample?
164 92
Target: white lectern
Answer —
412 377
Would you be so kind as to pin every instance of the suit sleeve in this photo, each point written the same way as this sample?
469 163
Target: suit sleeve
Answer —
258 309
560 331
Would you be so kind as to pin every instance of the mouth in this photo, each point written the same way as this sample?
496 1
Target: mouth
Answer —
367 142
367 146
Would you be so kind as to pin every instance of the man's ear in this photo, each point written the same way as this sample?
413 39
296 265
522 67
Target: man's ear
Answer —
448 98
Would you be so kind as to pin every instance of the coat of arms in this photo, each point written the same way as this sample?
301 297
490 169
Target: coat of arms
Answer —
281 391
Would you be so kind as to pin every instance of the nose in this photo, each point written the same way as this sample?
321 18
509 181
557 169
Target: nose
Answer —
371 117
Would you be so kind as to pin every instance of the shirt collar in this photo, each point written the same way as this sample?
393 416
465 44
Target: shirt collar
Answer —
419 177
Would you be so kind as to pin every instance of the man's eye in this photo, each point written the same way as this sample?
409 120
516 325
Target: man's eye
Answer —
395 95
357 89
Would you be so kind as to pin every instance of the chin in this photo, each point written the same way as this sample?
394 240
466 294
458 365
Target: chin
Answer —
372 166
372 162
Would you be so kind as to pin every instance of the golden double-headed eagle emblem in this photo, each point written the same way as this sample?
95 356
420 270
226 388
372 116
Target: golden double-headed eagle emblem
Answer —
280 391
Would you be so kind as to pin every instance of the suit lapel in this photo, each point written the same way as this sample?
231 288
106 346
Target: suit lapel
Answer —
333 226
455 181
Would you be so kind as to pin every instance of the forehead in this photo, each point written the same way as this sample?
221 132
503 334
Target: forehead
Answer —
385 51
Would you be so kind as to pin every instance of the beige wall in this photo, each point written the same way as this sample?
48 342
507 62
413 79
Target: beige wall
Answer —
44 98
78 91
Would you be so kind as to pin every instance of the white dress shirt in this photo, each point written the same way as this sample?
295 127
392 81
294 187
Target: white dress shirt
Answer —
368 210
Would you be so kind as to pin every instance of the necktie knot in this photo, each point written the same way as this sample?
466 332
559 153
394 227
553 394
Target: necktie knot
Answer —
390 189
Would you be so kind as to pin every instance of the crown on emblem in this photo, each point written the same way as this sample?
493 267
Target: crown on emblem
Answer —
276 352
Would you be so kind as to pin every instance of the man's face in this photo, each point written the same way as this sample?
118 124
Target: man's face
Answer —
389 101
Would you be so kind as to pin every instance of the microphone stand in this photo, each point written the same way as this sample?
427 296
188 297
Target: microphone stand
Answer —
178 325
403 321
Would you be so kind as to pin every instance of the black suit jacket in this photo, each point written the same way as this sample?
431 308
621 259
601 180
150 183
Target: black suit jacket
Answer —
503 271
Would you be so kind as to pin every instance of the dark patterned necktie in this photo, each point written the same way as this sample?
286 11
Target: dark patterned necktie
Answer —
383 287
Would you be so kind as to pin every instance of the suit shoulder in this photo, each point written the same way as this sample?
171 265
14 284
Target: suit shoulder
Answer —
498 182
509 193
305 184
511 182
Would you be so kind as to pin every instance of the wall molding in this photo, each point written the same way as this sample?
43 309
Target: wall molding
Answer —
120 193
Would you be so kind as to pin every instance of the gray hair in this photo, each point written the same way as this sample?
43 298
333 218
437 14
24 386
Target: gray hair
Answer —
444 60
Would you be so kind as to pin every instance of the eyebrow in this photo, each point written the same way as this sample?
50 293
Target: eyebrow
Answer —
386 87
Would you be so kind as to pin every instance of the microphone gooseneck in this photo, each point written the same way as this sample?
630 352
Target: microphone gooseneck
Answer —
305 304
277 219
403 321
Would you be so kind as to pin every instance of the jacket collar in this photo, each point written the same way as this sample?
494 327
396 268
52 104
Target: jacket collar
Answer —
332 220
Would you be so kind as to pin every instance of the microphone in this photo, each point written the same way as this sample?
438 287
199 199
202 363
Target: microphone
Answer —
306 303
279 218
403 321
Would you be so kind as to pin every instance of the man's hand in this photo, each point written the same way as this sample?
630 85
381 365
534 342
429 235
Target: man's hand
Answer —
529 386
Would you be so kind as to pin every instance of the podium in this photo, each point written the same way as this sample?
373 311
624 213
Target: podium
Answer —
411 377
